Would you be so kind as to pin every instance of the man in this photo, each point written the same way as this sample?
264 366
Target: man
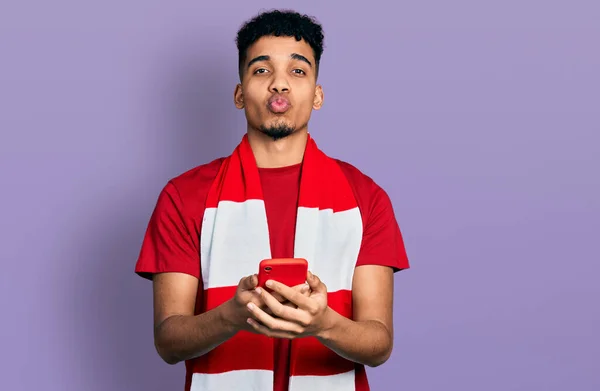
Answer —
276 196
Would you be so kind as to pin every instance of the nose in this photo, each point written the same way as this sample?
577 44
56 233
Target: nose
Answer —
279 84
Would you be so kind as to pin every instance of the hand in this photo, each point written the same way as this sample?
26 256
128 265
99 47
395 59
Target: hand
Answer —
302 288
245 293
306 317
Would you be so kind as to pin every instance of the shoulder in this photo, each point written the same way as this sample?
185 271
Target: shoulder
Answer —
373 201
186 193
382 242
194 184
171 242
365 189
355 175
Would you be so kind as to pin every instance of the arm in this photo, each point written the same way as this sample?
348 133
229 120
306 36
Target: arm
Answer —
368 339
179 334
170 258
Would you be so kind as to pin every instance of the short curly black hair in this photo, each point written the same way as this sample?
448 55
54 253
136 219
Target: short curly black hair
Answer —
286 23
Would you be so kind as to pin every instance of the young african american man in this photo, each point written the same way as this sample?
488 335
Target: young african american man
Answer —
276 196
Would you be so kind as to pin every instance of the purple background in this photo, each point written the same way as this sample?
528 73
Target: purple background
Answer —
481 121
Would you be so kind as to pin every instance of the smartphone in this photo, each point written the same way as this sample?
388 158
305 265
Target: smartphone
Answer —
288 271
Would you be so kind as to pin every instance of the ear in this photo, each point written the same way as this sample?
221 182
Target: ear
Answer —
238 97
318 100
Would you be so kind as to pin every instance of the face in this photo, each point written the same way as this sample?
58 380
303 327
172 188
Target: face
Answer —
278 90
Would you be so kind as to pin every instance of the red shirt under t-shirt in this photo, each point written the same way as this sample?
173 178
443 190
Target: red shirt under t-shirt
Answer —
171 243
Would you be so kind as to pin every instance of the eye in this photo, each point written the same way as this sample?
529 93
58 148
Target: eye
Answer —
299 72
260 70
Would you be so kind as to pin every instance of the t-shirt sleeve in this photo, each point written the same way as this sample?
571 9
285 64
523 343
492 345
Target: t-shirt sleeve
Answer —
169 244
382 242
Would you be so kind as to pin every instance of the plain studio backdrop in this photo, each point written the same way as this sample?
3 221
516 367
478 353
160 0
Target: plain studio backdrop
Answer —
480 119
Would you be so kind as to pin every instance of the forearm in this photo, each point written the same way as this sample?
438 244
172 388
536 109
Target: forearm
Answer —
365 342
182 337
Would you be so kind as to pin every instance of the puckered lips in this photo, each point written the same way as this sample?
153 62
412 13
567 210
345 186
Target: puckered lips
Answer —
279 104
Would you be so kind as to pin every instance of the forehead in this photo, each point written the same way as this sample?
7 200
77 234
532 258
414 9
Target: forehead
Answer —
280 47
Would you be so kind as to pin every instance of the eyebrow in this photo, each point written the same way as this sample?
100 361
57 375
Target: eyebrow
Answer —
300 57
294 56
257 59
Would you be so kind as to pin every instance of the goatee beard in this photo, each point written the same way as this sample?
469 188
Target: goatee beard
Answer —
277 132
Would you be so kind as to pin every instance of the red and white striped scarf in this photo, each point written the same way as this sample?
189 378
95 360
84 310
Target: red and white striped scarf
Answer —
235 238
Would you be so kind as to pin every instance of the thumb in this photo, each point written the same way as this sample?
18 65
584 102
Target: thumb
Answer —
315 283
249 282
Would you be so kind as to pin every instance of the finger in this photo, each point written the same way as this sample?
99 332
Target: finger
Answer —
249 282
278 297
289 304
291 294
259 328
268 310
258 301
288 311
306 290
303 288
315 283
275 324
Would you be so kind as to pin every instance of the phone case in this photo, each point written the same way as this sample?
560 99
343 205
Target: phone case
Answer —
288 271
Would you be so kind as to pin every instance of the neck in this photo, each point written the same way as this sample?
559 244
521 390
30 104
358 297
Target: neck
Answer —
280 153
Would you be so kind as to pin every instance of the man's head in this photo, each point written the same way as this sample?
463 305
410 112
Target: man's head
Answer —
279 55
